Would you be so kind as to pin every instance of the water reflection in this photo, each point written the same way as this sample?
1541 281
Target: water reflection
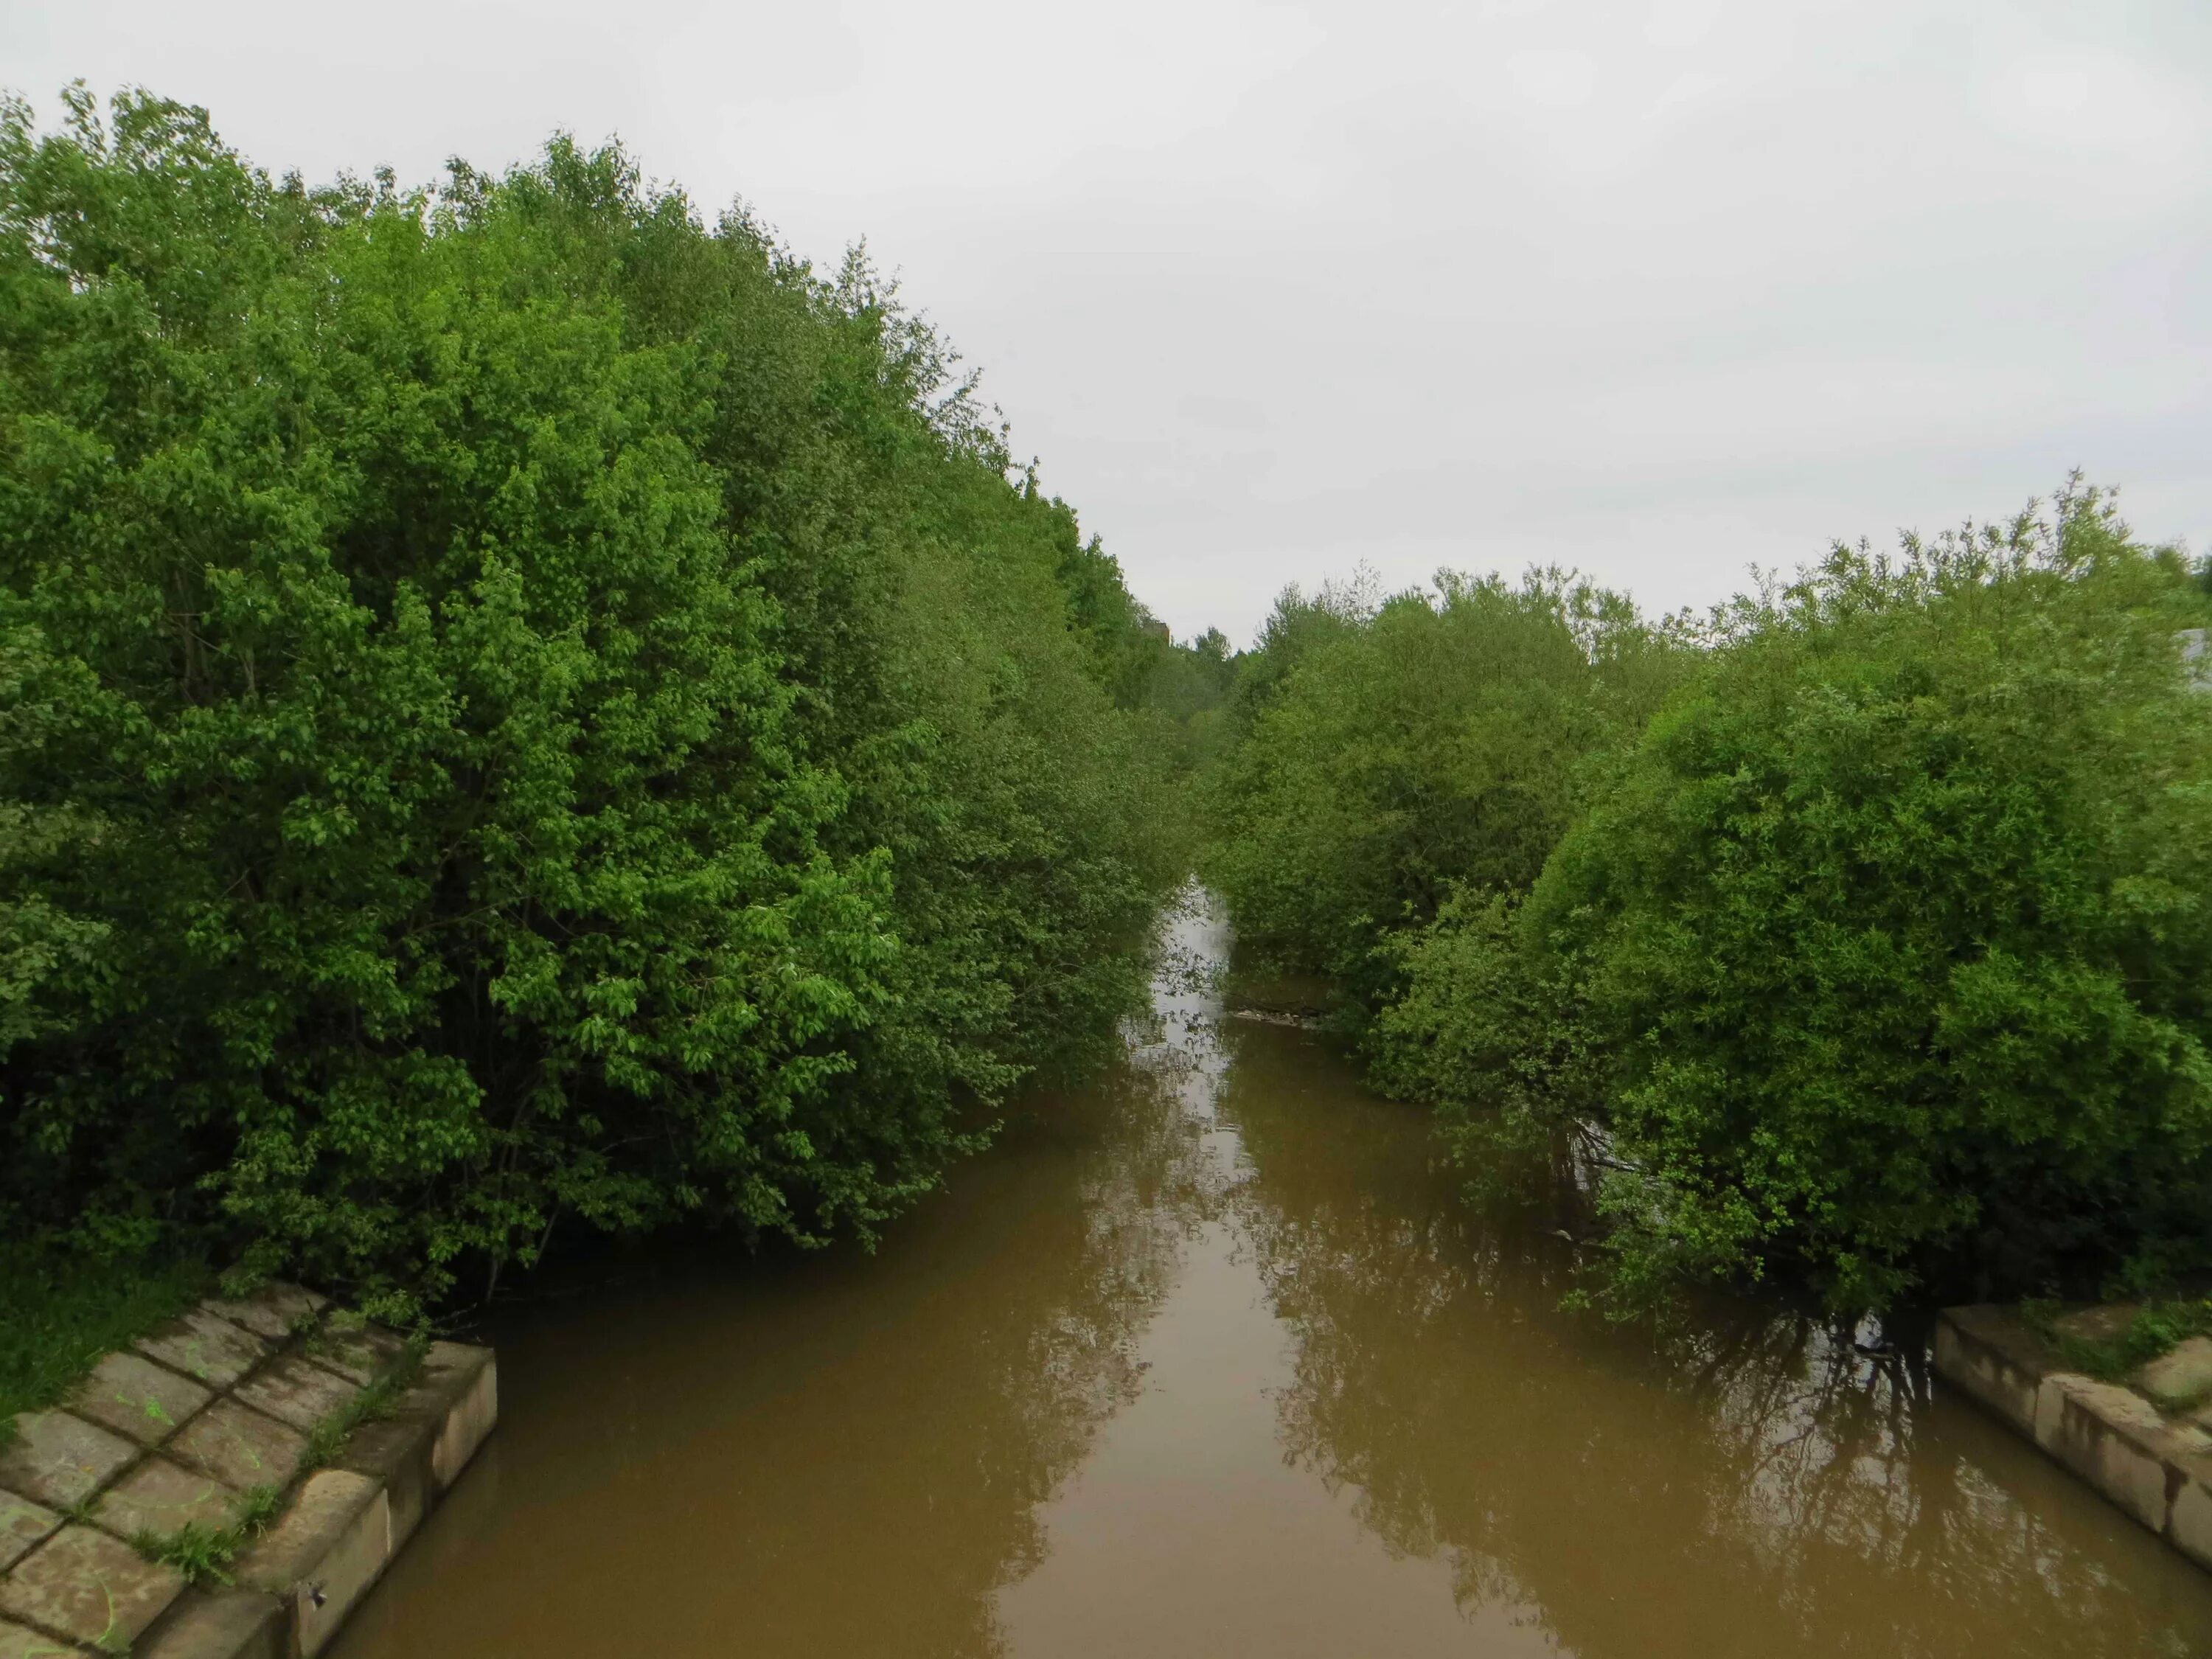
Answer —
839 1455
1209 1361
1747 1481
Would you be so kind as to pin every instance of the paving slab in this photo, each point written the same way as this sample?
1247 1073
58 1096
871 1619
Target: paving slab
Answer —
137 1399
17 1643
23 1527
232 1623
2181 1378
294 1389
2106 1323
89 1587
239 1446
59 1459
207 1348
275 1312
329 1544
359 1354
161 1498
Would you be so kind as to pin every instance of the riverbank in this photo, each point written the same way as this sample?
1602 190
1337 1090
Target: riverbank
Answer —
1211 1359
229 1485
2144 1441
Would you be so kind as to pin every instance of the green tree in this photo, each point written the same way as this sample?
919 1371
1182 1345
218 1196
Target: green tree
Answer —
1395 752
1885 957
519 706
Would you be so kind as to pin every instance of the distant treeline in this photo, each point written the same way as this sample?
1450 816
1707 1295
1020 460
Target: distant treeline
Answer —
1860 931
519 708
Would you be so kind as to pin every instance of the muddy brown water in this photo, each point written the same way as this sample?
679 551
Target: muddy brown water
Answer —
1208 1361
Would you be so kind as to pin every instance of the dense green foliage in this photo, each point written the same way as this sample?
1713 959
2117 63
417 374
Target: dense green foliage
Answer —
517 705
1866 932
1389 754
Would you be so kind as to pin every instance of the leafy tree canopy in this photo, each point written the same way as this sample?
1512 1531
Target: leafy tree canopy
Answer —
516 704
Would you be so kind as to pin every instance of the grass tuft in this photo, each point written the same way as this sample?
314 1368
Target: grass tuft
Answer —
378 1401
2153 1332
204 1554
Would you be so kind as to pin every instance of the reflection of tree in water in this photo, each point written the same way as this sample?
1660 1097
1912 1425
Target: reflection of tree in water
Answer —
831 1454
1047 1260
1071 1361
1025 1368
1748 1483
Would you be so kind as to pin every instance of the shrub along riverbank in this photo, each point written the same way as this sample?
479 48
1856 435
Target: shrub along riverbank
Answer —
520 708
1860 931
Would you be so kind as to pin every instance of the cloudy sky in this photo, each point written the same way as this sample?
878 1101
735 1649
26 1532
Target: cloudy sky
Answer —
1661 289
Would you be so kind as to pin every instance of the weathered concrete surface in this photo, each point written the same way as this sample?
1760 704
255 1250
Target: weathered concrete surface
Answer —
23 1527
60 1461
89 1587
471 1379
239 1446
295 1390
2108 1321
17 1643
2156 1468
233 1624
160 1498
331 1546
2107 1435
275 1312
170 1451
207 1348
420 1450
137 1399
360 1355
1989 1353
2182 1378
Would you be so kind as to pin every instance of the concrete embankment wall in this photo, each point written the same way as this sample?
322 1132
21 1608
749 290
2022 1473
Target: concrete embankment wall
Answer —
2155 1465
236 1403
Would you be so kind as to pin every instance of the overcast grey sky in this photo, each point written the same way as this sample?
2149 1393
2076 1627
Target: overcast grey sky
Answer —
1657 288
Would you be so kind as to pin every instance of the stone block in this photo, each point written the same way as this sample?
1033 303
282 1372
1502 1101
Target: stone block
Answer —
160 1498
2106 1323
422 1445
2189 1519
60 1461
89 1587
1988 1353
16 1643
361 1353
2180 1379
275 1310
203 1346
23 1527
231 1624
471 1375
137 1399
294 1390
2112 1436
330 1544
239 1446
394 1451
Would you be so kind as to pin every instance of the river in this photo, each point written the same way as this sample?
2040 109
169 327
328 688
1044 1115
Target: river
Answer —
1208 1361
